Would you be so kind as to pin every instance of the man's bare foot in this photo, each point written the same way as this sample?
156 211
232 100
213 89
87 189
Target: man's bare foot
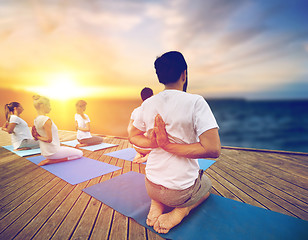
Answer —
143 159
169 220
140 159
156 210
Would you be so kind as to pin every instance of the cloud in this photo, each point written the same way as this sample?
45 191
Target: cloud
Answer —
116 42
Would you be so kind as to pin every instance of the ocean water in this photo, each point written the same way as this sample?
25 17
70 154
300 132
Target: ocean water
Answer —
275 125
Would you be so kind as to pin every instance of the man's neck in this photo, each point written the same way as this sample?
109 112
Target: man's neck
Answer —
174 86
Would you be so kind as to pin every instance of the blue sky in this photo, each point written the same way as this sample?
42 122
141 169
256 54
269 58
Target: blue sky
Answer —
239 48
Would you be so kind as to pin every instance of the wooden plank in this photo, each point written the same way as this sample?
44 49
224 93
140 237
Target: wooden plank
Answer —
15 169
72 219
102 225
136 231
249 188
21 194
34 207
84 228
92 209
270 192
290 158
17 226
8 219
58 219
21 182
277 181
222 190
283 164
153 236
255 160
29 231
119 227
236 187
7 157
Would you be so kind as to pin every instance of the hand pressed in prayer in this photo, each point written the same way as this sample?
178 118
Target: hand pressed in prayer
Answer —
160 132
152 136
35 133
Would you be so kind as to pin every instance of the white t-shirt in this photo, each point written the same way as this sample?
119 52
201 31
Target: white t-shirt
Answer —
132 117
82 123
21 131
187 116
135 114
47 149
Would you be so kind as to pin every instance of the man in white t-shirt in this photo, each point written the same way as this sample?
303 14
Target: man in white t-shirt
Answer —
181 128
142 153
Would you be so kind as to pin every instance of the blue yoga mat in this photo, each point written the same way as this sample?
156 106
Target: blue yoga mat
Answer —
217 218
96 147
205 163
76 171
129 154
125 154
23 153
71 143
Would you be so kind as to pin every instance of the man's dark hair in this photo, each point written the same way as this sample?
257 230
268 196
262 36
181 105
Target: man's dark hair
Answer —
170 66
146 93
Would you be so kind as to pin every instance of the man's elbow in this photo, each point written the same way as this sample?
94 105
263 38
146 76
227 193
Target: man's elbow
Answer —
130 137
214 152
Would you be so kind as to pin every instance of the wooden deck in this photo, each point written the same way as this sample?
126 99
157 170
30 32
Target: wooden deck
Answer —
35 204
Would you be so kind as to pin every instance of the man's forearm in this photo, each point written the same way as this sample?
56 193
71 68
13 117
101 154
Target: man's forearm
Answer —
194 150
141 141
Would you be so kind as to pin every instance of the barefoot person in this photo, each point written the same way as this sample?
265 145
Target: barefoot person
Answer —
46 132
82 124
142 153
181 128
18 128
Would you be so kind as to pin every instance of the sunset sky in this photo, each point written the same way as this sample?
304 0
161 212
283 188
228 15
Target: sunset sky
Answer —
234 48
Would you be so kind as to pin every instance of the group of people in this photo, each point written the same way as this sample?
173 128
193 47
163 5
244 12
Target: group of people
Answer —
170 130
44 134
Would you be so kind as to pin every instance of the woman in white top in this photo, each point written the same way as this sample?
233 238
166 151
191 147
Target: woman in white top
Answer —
181 128
18 128
46 132
82 125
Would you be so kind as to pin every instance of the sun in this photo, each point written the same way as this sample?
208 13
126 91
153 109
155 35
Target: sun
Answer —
60 86
67 86
63 86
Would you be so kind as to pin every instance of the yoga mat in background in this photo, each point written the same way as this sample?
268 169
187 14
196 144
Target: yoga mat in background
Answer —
125 154
96 147
71 143
217 218
76 171
129 154
205 163
23 153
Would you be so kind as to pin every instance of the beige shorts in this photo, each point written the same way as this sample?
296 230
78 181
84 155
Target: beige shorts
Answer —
179 198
